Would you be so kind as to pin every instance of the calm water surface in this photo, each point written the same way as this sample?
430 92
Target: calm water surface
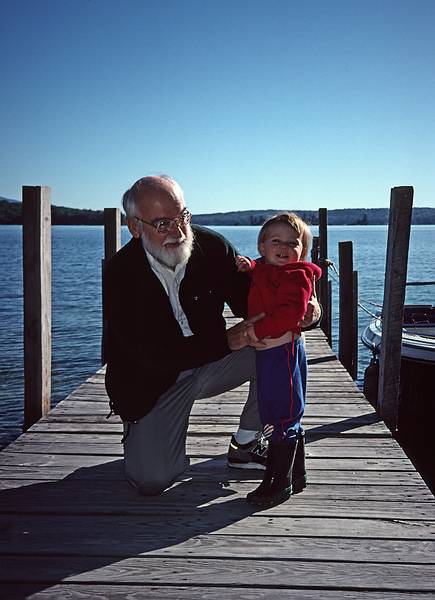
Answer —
76 299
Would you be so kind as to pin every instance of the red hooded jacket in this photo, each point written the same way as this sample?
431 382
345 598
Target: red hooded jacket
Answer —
283 293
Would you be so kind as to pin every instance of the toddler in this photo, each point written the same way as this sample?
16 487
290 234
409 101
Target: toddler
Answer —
282 284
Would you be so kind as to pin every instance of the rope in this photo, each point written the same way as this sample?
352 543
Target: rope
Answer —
331 265
334 279
369 313
371 303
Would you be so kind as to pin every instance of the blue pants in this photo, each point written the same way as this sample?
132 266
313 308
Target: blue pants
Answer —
282 386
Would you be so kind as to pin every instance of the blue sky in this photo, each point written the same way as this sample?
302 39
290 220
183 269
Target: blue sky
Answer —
247 103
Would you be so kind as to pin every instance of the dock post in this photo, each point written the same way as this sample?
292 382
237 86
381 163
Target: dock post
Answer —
315 250
315 259
329 332
36 212
112 243
112 231
348 327
323 284
399 227
355 323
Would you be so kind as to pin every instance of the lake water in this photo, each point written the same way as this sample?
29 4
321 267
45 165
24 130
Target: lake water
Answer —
76 299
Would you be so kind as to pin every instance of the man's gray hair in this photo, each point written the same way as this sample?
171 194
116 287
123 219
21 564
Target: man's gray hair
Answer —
149 184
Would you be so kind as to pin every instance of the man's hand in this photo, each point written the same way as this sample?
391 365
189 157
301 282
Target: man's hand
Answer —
243 334
313 314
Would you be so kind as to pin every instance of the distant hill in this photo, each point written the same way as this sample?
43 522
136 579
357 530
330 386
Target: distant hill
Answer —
10 214
340 216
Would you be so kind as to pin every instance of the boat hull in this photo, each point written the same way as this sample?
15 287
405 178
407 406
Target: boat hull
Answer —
418 334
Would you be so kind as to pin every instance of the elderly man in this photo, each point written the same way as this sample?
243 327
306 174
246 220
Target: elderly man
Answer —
165 338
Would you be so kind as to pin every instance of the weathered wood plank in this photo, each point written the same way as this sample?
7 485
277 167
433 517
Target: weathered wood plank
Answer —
325 409
224 519
315 448
319 448
329 485
149 571
361 424
112 476
81 542
226 425
80 497
100 419
121 592
215 468
161 592
112 446
316 394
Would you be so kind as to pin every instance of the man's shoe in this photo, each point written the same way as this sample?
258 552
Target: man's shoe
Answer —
252 455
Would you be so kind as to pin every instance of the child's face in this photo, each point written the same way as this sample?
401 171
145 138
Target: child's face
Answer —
281 246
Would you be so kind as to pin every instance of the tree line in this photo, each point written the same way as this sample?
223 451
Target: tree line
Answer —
10 214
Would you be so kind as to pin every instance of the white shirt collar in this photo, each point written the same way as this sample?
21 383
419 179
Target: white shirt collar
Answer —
171 280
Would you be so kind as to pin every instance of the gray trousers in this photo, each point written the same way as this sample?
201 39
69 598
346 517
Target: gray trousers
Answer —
155 446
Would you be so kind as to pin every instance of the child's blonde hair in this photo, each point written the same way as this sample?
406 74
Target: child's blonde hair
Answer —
293 221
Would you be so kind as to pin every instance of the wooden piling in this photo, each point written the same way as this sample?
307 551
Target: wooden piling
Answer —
315 260
36 211
315 250
112 243
399 229
329 314
323 284
112 231
355 324
348 327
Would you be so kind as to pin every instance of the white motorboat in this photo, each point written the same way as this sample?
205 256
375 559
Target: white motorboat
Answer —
418 334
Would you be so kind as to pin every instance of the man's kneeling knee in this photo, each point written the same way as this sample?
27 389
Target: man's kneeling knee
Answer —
151 487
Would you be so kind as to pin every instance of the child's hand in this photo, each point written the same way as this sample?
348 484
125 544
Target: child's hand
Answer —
243 264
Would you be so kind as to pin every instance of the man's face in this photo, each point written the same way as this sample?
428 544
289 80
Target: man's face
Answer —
174 246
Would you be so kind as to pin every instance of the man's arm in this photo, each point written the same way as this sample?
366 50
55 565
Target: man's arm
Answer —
243 334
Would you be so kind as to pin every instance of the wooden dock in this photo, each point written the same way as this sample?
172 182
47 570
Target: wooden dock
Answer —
364 529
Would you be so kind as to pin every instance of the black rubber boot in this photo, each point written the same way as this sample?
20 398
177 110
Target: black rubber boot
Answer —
299 475
263 488
276 486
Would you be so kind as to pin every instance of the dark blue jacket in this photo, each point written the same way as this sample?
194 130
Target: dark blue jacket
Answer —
144 346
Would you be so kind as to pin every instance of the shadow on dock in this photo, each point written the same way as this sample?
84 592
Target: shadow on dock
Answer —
100 520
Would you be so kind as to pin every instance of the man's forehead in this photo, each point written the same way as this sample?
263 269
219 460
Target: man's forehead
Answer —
160 202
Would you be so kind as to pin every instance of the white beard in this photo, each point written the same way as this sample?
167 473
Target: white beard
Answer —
169 255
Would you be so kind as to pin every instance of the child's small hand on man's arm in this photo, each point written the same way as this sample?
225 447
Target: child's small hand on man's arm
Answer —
243 263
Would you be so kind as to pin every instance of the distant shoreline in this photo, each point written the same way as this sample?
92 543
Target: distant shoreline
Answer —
10 214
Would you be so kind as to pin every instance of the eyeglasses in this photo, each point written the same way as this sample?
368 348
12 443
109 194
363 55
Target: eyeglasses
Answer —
165 225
